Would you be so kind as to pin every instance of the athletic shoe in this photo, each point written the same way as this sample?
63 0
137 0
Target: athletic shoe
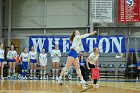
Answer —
47 77
83 82
26 78
69 77
23 78
53 78
44 78
56 77
14 77
137 79
31 77
8 77
60 82
66 73
41 78
2 78
96 85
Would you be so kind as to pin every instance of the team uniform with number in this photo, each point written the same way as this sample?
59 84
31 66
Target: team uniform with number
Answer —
1 55
33 57
43 59
12 56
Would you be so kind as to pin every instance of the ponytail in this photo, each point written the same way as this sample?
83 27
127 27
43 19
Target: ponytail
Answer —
72 36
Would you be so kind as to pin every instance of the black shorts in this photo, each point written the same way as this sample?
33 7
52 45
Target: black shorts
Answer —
91 65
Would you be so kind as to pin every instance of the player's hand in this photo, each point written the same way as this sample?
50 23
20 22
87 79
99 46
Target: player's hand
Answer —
98 67
93 33
88 67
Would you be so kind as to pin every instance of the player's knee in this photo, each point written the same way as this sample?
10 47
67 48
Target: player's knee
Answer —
78 71
64 69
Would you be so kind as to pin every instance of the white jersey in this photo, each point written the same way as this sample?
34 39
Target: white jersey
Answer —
55 54
43 58
24 57
76 44
92 58
1 54
11 54
32 55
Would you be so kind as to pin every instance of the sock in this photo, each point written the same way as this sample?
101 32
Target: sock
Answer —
31 71
53 72
22 73
60 77
44 73
57 70
25 73
34 72
9 72
41 73
81 79
14 72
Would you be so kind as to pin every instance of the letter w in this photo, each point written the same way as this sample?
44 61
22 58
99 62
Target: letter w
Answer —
38 43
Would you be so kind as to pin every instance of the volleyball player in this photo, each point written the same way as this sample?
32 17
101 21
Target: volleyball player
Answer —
43 63
24 57
33 62
92 62
11 56
1 59
72 58
55 54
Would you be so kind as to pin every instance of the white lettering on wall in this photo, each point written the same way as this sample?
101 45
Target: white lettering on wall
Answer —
101 43
38 42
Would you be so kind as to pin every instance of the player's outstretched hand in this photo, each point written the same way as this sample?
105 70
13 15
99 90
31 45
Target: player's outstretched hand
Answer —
92 33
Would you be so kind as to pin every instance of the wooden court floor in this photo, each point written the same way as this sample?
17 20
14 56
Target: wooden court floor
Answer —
38 86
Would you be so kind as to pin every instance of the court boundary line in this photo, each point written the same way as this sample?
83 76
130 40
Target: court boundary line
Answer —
86 89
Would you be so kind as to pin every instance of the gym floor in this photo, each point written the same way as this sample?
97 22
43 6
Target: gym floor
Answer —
40 86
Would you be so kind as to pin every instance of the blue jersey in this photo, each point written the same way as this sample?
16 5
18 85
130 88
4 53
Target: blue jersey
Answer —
138 64
82 62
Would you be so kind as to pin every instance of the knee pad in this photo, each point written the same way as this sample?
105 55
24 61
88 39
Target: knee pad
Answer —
78 71
44 72
31 70
64 69
53 70
22 70
41 72
57 70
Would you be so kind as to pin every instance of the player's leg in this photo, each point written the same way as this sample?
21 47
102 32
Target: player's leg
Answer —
23 68
78 71
44 74
41 72
10 69
26 69
95 80
53 70
14 66
34 67
31 69
57 69
2 66
69 62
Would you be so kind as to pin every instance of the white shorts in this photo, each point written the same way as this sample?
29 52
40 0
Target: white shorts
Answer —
43 63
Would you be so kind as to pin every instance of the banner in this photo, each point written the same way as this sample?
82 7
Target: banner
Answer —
106 44
128 10
102 11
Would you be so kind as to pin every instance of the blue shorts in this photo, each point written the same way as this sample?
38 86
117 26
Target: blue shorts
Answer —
24 65
33 61
73 54
1 60
12 60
